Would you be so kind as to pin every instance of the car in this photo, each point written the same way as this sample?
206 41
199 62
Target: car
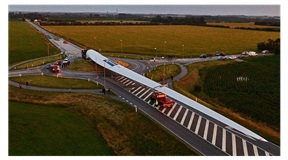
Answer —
58 63
240 56
265 51
217 53
222 54
222 58
244 53
48 66
252 53
203 56
232 57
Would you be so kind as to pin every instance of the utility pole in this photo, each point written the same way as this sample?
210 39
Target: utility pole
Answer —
121 45
94 42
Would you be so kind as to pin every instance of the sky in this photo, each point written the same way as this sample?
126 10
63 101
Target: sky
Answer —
250 10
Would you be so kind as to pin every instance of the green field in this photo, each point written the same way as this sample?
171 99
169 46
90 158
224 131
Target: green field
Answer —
251 88
180 40
54 82
36 129
65 123
26 43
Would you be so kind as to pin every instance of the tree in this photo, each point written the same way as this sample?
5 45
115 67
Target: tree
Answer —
271 45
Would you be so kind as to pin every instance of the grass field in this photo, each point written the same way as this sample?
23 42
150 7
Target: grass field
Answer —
40 62
167 71
254 103
125 132
251 88
26 43
54 82
180 40
245 25
37 129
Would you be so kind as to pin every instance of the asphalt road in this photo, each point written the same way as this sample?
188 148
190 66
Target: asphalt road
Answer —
208 136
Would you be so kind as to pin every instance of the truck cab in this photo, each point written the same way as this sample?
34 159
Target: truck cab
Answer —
162 99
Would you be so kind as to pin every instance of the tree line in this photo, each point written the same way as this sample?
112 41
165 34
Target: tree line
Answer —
272 45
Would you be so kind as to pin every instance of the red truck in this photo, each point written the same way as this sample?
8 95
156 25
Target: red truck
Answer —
161 99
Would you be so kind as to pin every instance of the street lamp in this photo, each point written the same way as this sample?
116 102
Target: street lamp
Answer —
183 50
121 45
155 52
94 42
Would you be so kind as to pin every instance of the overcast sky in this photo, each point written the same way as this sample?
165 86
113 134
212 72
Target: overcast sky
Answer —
251 10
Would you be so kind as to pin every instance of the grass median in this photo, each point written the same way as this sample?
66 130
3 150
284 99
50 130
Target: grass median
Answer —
54 82
165 71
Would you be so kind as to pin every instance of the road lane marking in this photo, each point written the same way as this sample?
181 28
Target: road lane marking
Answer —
163 110
245 147
198 124
184 117
214 134
129 83
140 91
128 80
177 113
191 119
224 140
133 84
123 80
234 149
267 154
119 78
144 93
136 89
147 96
255 150
171 109
206 129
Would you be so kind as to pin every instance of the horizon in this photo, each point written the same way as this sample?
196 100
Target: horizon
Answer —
207 10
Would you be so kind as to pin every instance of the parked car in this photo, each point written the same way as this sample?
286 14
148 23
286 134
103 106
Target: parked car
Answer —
222 58
265 51
222 54
203 56
232 57
252 53
244 53
217 53
240 56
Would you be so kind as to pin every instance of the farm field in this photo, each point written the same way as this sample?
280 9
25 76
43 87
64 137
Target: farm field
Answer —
25 43
245 25
251 88
247 92
71 114
180 41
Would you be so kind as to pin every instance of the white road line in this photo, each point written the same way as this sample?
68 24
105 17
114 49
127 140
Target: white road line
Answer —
136 89
206 129
171 109
245 147
267 154
184 117
147 96
224 140
133 84
149 101
140 91
214 134
198 124
129 83
234 149
123 80
177 113
163 110
255 150
144 93
119 78
191 120
128 80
